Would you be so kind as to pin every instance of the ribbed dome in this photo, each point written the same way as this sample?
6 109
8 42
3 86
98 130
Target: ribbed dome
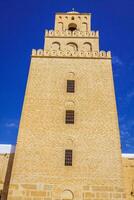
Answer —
73 12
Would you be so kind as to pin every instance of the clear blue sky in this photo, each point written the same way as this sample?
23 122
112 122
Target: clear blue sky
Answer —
22 25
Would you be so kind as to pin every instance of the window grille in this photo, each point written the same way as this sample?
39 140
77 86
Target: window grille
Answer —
68 157
69 116
70 86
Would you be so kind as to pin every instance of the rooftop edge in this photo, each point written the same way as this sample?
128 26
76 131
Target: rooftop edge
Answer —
7 148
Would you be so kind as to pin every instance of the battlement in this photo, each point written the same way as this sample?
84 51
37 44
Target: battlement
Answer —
77 54
68 33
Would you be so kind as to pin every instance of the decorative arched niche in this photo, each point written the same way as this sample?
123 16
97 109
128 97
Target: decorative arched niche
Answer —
55 46
87 46
70 75
69 105
69 143
84 26
71 46
67 195
60 26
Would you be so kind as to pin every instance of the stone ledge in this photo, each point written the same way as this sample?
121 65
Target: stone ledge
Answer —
71 54
67 33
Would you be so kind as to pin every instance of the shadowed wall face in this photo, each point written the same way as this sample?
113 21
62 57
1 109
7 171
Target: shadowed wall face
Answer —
68 144
4 159
6 162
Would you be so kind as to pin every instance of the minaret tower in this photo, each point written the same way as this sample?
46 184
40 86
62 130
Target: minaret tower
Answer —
68 145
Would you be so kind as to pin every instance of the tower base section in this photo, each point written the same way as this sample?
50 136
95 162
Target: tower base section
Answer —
41 191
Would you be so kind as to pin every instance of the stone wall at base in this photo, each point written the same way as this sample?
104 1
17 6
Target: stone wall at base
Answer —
45 192
42 191
128 168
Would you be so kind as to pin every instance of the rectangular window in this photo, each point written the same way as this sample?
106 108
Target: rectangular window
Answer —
68 157
70 86
69 116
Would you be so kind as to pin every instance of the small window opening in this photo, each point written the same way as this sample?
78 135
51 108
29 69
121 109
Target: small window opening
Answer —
68 157
72 27
69 116
70 86
72 18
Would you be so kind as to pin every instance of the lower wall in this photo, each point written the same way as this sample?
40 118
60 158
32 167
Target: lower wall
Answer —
49 192
41 191
128 167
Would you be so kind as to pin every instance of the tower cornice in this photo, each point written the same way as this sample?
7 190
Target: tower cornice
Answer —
71 54
67 33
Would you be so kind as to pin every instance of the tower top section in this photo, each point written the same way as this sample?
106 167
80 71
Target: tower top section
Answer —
72 37
73 21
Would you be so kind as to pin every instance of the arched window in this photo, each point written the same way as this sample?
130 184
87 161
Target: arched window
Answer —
72 27
87 46
55 46
84 26
72 46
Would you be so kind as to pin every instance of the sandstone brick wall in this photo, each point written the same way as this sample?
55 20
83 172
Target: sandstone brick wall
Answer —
128 174
39 171
44 136
128 168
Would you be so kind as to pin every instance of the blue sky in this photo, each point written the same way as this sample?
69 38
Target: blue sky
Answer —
22 25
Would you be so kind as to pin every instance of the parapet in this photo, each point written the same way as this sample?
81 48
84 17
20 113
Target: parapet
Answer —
74 54
67 33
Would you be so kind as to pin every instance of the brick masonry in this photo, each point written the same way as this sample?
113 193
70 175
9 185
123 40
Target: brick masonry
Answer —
38 170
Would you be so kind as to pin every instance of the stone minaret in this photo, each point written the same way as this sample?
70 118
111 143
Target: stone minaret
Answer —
68 146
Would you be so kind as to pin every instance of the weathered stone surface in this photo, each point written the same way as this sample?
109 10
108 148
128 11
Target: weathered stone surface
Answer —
43 134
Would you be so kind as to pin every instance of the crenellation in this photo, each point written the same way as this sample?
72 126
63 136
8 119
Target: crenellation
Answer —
67 53
67 33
